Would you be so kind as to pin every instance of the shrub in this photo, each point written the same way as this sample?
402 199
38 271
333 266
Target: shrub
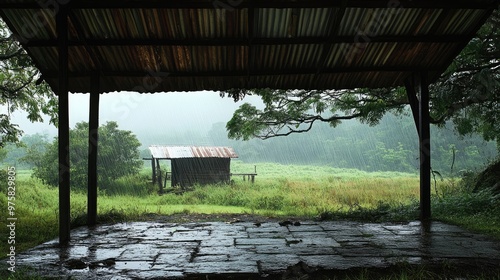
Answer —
118 157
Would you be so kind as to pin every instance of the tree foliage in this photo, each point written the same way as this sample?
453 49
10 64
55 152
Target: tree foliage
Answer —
288 112
467 94
21 88
390 146
118 156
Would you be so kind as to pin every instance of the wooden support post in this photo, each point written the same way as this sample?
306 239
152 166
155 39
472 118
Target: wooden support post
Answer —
413 100
158 171
420 110
425 149
255 173
153 179
63 127
93 145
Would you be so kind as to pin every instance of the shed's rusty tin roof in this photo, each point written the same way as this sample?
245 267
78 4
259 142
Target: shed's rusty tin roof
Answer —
154 46
172 152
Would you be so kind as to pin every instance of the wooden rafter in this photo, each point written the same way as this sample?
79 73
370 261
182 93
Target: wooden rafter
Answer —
205 4
261 72
249 41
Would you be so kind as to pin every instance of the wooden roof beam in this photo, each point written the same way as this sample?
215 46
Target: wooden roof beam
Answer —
246 42
206 4
260 72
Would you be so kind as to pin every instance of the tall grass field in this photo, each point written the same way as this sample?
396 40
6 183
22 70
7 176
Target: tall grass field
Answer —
305 192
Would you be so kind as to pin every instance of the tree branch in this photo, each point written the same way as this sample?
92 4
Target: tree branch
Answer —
270 133
11 55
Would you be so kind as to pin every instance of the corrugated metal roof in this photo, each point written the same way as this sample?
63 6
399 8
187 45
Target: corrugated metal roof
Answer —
172 152
153 46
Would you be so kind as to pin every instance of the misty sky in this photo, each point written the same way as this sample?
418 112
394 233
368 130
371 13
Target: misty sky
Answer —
172 112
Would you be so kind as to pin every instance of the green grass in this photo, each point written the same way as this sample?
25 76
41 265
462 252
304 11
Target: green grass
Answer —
268 170
23 174
310 192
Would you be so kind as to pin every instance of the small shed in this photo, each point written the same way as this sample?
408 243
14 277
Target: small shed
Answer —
192 164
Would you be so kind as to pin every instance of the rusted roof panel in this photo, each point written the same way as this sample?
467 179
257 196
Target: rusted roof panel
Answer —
172 152
154 46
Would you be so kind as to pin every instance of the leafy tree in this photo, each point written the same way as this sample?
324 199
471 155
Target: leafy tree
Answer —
21 88
30 150
45 165
395 159
118 153
118 156
468 94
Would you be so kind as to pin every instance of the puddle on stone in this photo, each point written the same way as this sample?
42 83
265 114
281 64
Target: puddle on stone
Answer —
75 264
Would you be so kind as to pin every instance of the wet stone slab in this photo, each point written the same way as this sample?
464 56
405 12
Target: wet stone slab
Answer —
222 267
218 242
152 274
294 249
343 227
309 235
271 240
229 250
275 263
274 227
305 228
373 230
311 241
164 250
352 232
327 262
271 234
172 259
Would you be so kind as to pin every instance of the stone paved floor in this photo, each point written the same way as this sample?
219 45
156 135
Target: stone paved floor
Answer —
164 250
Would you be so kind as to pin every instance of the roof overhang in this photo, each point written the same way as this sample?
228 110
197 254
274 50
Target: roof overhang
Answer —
176 152
188 45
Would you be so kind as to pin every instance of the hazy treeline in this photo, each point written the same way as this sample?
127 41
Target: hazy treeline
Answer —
390 146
